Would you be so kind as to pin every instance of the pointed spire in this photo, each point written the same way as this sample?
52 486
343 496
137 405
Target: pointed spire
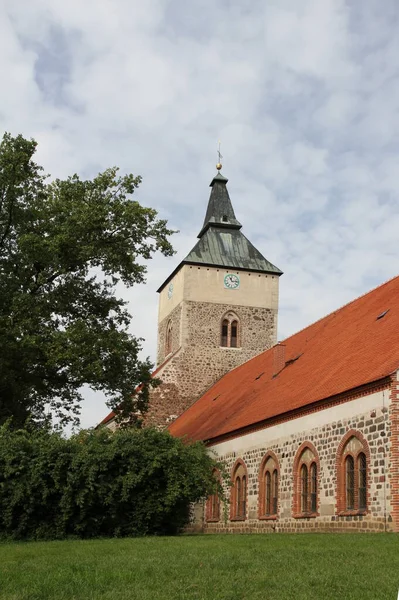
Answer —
220 212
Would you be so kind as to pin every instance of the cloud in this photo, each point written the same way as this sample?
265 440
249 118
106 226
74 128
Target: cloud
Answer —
304 97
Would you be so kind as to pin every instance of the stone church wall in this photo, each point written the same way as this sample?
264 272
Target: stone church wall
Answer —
369 415
174 318
197 360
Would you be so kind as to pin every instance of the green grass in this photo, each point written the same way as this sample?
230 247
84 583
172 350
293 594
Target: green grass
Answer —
267 567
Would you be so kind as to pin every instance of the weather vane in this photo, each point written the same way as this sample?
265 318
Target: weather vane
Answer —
219 165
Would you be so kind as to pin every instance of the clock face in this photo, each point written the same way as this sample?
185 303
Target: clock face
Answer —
231 281
170 291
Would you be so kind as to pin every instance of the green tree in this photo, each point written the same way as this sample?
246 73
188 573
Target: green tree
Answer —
98 483
64 246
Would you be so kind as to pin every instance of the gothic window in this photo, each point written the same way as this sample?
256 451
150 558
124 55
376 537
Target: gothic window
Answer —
213 503
362 484
168 339
238 497
352 465
230 334
268 487
304 488
234 334
313 487
306 481
350 482
225 331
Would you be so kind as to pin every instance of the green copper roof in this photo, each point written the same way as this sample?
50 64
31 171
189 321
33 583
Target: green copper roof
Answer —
221 243
224 247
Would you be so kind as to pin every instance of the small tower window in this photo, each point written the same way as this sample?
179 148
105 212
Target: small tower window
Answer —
168 339
230 335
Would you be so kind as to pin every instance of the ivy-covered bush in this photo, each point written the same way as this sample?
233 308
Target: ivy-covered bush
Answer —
97 483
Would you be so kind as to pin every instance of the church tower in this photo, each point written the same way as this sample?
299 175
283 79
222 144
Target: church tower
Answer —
217 309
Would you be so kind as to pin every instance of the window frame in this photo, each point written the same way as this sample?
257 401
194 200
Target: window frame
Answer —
239 501
168 338
346 456
229 322
212 509
306 483
268 507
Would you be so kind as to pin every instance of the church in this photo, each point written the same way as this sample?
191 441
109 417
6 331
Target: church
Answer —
308 427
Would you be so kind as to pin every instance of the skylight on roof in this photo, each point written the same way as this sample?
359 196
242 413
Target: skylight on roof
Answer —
382 314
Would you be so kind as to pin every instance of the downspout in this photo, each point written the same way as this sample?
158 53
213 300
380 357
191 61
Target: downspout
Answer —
386 412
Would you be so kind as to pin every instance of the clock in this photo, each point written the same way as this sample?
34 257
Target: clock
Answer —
170 290
231 281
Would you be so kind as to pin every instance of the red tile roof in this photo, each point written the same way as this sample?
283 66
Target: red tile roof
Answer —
346 349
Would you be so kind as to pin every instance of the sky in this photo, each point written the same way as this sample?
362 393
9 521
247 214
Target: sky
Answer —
304 97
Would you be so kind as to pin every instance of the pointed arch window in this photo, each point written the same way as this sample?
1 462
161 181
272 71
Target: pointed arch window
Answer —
168 338
230 331
268 487
213 503
352 477
238 497
306 482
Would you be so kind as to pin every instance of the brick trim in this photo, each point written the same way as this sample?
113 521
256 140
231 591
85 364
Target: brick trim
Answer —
297 512
340 499
208 507
239 462
359 392
262 485
394 451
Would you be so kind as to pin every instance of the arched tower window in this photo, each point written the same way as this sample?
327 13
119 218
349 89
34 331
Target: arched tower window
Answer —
353 458
238 496
231 332
306 481
268 487
168 339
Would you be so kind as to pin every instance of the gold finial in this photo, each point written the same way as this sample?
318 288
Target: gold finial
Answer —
219 165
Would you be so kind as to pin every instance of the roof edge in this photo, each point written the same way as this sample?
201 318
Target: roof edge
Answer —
220 224
278 273
339 398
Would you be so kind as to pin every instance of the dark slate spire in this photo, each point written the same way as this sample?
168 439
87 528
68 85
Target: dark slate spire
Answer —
220 211
221 243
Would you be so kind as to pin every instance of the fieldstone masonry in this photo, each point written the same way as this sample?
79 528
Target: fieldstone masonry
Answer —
197 359
375 428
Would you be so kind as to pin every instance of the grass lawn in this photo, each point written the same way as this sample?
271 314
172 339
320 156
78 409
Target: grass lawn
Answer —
267 567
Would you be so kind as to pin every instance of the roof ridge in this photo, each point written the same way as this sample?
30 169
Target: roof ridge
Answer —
333 312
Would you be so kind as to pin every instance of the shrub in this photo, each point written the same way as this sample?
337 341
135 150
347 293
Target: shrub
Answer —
97 483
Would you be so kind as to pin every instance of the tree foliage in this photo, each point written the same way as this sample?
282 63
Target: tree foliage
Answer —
64 246
97 483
